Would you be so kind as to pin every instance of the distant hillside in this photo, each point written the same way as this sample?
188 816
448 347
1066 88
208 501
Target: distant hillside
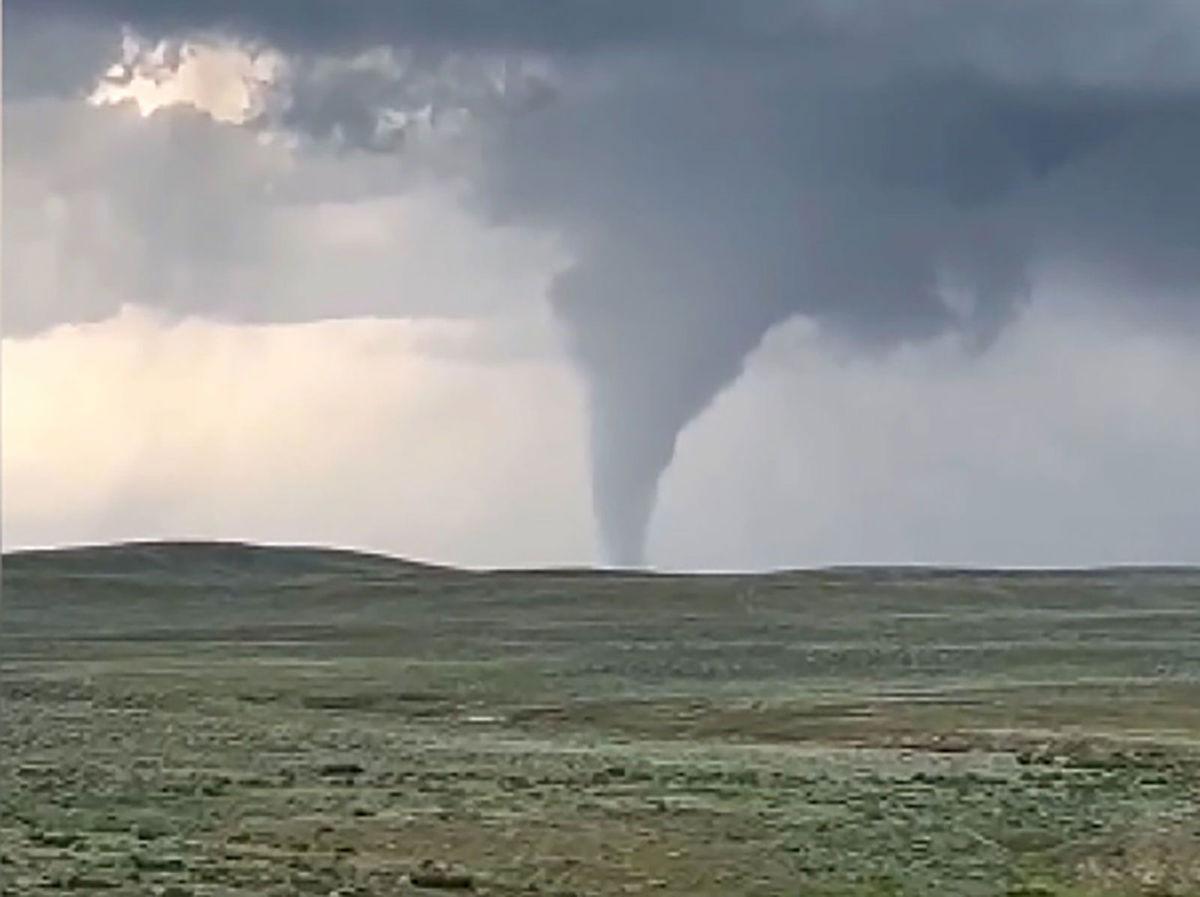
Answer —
207 561
221 593
231 561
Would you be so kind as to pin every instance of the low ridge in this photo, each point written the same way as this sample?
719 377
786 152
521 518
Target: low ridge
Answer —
206 558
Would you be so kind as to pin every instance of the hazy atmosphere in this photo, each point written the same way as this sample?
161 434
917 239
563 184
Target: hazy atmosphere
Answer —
698 285
575 448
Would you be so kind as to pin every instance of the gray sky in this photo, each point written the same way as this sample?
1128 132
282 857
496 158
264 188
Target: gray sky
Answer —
711 285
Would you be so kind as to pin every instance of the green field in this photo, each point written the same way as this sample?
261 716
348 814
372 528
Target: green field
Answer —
215 719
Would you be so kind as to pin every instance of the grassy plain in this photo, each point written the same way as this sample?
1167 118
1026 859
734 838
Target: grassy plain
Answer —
214 719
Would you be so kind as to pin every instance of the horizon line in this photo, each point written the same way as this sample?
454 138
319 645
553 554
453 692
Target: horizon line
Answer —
575 568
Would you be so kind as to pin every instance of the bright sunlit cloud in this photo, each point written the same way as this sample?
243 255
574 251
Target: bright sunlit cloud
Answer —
221 78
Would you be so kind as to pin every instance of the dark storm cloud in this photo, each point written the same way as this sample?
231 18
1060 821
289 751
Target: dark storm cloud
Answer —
335 25
888 200
1106 40
891 170
710 207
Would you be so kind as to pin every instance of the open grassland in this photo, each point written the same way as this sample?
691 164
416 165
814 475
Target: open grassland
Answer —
223 720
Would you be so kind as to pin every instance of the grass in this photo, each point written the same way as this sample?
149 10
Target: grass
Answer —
218 719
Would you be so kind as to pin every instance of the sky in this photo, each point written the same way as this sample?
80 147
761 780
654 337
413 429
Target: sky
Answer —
690 285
